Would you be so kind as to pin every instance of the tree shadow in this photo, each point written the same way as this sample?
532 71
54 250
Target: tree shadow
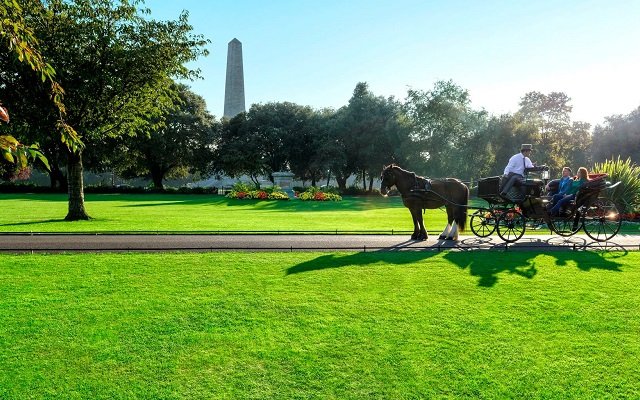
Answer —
33 222
487 265
387 256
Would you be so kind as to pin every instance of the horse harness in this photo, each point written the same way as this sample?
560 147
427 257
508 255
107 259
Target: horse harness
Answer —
423 190
417 188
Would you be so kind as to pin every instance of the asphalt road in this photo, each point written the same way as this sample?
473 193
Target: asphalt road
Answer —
20 243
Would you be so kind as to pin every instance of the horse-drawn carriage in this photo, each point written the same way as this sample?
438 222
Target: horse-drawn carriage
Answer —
510 215
528 205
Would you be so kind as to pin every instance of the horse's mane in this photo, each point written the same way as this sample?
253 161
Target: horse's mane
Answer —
397 167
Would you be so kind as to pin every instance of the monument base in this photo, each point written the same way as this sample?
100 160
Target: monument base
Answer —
284 180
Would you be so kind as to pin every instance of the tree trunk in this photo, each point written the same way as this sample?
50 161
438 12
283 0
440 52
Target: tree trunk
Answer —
364 180
76 189
157 176
57 179
371 184
342 182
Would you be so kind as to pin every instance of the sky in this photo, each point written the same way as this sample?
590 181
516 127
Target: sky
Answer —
314 52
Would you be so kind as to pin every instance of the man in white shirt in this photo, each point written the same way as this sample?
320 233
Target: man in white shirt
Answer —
514 171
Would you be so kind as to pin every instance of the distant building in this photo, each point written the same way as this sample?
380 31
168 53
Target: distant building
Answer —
234 87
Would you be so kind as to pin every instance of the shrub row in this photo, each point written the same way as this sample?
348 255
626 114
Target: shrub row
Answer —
243 190
316 194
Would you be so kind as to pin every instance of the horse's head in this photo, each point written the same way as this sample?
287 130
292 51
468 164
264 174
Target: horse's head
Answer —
388 179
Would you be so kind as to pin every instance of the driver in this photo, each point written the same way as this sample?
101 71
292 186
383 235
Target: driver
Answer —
514 171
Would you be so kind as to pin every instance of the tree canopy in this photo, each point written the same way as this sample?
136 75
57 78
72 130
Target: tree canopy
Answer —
113 61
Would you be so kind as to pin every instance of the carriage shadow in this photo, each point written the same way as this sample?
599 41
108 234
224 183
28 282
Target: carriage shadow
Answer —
486 269
523 263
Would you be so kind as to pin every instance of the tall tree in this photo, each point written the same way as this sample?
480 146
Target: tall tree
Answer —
180 142
550 115
505 134
18 38
307 157
269 138
443 124
369 132
236 153
113 61
619 136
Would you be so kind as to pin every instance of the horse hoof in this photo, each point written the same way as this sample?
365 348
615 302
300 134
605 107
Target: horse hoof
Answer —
414 237
442 237
450 238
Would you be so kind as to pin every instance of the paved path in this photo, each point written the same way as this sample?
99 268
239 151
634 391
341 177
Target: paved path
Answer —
190 242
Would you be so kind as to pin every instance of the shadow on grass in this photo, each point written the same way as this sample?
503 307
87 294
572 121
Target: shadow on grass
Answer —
486 265
349 203
47 221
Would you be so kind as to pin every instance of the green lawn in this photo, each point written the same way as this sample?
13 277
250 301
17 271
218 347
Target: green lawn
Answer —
206 213
387 325
153 212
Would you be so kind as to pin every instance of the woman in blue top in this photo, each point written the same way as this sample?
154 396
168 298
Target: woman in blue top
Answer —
583 177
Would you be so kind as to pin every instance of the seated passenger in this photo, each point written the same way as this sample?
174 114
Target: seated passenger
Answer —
582 178
563 185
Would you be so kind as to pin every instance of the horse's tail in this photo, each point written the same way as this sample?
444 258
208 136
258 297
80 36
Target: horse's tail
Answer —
461 211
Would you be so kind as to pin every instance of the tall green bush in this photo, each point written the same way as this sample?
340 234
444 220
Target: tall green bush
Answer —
627 194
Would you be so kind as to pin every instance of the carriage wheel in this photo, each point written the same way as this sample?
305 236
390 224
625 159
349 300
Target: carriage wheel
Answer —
483 223
601 220
511 226
565 226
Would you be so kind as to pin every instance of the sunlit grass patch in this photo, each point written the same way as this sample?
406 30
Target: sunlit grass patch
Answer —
320 325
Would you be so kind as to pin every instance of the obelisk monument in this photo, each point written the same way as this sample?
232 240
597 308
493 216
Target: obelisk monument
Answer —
234 88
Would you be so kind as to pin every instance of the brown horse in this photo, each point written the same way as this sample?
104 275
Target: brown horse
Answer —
419 193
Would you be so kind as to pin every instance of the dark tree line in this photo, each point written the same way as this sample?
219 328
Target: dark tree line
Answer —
434 132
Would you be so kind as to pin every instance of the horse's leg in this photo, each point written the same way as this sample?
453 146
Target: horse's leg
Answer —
423 231
453 233
451 215
416 227
446 232
451 230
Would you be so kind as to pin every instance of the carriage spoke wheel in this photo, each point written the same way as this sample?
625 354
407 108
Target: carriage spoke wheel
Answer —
483 223
601 220
565 226
511 226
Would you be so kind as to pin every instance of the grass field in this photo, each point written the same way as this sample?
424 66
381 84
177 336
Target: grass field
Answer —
45 213
390 325
194 213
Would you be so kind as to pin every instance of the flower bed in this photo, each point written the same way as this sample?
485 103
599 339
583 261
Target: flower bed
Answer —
316 194
631 217
243 191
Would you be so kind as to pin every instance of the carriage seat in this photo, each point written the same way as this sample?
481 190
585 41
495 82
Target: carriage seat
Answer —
489 190
591 190
533 187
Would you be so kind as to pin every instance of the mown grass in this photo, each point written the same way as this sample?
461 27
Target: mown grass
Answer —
205 213
320 325
153 212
